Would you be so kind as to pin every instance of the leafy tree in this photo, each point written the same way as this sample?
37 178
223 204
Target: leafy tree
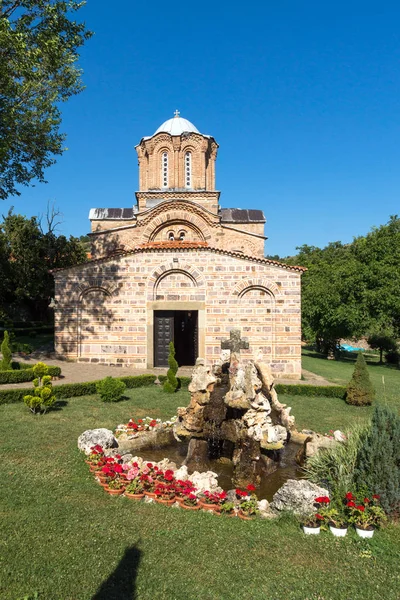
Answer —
39 45
382 341
377 466
351 289
171 383
28 254
360 391
5 363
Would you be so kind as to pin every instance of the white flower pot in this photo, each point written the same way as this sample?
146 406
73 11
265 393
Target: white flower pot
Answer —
311 530
337 531
365 533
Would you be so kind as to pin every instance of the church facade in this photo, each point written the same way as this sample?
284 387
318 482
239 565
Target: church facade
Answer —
178 267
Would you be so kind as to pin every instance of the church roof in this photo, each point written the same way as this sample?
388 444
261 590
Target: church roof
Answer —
242 215
183 246
176 126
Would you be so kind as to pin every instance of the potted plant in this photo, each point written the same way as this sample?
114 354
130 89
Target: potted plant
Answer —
248 503
165 494
134 489
116 487
148 485
337 521
190 502
365 516
228 509
312 524
212 501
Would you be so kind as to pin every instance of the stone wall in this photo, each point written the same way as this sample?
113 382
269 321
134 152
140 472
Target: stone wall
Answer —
104 310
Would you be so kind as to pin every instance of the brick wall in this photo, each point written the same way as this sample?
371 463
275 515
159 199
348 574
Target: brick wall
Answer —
103 310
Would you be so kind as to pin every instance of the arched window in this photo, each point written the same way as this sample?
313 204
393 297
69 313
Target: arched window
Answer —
188 169
181 236
164 169
171 236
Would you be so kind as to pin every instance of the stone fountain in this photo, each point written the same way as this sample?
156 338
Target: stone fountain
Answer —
234 415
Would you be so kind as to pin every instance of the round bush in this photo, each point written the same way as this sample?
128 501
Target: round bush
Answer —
110 389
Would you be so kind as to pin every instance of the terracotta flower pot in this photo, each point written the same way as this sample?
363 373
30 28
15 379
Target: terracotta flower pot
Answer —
206 506
231 514
245 517
134 496
150 495
114 492
167 502
191 507
93 468
104 484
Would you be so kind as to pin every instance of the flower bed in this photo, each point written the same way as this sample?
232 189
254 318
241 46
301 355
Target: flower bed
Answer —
134 427
139 479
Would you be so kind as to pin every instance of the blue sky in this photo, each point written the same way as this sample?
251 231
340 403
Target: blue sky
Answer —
303 99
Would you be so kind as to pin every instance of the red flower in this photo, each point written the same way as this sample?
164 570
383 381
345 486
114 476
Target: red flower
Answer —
360 507
251 488
192 497
117 469
150 465
376 496
140 421
351 504
153 423
222 495
319 517
322 500
349 496
366 501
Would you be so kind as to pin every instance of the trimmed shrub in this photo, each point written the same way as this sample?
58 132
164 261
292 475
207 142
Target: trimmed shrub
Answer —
5 363
393 357
110 389
135 381
182 381
42 398
360 391
22 375
171 383
73 390
377 467
327 391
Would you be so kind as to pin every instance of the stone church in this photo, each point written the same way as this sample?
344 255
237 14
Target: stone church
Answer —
176 266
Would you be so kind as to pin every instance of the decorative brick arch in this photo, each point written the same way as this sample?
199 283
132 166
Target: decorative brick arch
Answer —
109 288
190 219
167 269
261 284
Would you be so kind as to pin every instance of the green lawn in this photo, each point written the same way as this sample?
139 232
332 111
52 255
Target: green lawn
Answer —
323 414
63 537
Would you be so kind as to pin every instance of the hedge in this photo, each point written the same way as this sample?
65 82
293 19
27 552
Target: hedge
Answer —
71 390
328 391
182 381
23 375
332 391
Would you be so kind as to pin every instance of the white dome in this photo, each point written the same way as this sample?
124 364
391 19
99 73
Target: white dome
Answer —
176 126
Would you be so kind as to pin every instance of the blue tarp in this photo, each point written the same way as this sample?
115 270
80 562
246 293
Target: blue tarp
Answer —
351 348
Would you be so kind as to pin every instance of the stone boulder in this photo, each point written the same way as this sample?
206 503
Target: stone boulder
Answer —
205 481
297 496
312 445
89 438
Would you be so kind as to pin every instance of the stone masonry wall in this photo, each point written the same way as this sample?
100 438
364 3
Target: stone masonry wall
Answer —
104 310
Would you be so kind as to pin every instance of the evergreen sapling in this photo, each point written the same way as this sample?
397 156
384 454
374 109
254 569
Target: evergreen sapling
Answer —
360 391
171 383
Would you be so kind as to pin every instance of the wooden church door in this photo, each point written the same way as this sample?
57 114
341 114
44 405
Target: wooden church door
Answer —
163 335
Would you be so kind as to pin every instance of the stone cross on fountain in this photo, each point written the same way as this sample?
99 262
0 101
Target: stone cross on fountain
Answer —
234 344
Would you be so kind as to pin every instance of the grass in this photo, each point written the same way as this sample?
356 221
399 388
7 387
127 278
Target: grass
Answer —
63 537
323 414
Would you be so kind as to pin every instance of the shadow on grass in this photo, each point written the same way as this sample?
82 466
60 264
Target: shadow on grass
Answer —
121 583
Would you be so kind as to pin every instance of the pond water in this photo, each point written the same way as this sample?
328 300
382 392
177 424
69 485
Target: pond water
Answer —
288 468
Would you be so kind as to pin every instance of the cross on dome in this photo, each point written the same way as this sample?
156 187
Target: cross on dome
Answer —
176 113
